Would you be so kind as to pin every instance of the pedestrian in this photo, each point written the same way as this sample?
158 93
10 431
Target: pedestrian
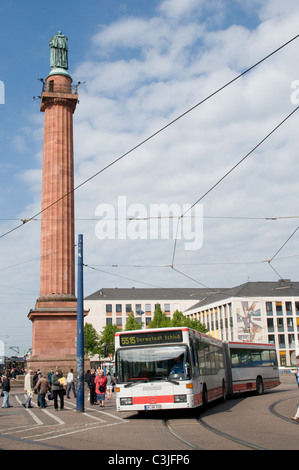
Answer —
6 390
86 378
35 379
57 389
101 385
297 371
50 377
70 384
92 387
110 384
42 386
28 386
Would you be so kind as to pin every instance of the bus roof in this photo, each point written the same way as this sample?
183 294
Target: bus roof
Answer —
246 344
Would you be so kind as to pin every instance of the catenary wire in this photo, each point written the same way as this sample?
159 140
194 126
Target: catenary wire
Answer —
153 135
229 172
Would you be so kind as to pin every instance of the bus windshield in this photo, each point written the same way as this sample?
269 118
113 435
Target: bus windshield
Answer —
152 363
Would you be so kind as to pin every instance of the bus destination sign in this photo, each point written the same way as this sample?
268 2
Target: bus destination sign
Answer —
141 339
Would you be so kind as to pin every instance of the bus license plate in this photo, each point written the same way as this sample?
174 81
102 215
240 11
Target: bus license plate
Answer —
152 407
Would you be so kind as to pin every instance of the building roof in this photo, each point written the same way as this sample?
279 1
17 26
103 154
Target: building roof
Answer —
201 296
133 293
281 288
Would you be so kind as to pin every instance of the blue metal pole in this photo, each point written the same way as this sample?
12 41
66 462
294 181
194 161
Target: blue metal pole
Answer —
80 330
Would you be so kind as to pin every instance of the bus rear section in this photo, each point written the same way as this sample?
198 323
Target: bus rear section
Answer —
251 367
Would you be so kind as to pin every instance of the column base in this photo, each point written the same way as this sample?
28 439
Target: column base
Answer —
54 332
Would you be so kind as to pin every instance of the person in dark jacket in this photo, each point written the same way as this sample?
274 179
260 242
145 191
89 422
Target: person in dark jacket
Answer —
92 387
58 389
6 390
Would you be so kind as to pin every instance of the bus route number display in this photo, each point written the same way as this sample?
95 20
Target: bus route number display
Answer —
140 339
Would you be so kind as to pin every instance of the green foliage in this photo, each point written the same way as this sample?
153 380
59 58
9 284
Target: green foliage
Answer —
103 344
92 340
107 339
160 320
132 323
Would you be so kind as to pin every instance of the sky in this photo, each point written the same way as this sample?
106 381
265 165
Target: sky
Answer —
156 133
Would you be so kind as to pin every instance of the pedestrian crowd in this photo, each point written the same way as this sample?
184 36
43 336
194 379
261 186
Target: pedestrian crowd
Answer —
100 386
54 386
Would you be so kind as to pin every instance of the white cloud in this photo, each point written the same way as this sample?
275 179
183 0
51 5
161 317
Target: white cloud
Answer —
170 66
142 74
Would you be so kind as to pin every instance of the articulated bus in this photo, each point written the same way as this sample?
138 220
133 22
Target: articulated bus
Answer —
251 367
174 368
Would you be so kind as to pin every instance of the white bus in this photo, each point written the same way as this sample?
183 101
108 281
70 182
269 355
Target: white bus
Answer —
251 367
173 368
167 368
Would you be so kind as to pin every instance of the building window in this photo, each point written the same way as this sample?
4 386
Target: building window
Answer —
119 322
148 308
279 308
280 324
137 307
128 308
290 324
108 308
270 324
269 309
271 339
118 307
108 321
166 307
289 308
291 341
281 342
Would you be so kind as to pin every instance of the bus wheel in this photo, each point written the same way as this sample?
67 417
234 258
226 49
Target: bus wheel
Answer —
259 386
204 397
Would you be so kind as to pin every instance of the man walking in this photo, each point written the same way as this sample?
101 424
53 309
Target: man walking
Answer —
70 384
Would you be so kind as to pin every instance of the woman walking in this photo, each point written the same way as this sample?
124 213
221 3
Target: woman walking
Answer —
6 390
101 385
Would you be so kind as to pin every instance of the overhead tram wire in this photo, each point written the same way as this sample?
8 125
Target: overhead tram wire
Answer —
269 261
229 172
153 135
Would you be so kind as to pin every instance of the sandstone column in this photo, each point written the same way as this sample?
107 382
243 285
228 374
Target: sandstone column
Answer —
54 319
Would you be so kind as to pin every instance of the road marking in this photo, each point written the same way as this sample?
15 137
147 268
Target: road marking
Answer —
36 419
89 428
103 412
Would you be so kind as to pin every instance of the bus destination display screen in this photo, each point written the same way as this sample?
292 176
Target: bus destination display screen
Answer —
141 339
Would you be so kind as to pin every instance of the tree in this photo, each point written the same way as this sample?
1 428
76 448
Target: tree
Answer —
179 319
196 325
132 323
107 339
160 319
92 340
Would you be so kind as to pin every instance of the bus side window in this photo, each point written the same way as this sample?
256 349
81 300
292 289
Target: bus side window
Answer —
194 355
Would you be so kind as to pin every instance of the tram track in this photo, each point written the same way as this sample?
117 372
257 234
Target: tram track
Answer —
172 426
279 415
211 429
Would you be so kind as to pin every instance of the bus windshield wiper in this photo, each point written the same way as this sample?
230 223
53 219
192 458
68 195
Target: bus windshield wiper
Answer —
135 382
163 377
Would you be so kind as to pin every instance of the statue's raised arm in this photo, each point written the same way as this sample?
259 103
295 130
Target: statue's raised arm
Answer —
59 51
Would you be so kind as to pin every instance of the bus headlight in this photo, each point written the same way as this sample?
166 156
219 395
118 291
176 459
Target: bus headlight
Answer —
180 398
126 401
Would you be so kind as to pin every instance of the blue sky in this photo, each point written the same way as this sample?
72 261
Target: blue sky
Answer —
144 64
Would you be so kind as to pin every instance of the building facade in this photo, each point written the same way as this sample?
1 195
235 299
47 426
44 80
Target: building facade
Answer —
265 312
115 305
